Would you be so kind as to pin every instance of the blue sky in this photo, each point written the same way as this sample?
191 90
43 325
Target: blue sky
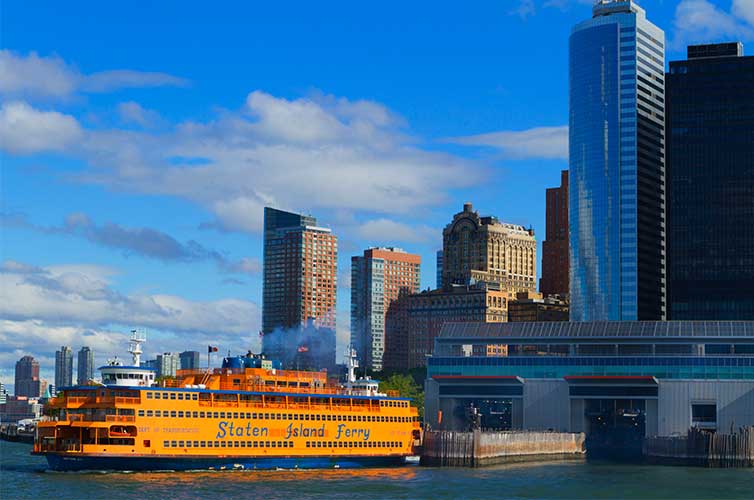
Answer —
139 146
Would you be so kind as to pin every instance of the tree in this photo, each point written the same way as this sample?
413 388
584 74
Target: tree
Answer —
407 387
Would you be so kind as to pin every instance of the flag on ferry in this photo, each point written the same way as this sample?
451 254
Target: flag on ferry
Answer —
211 348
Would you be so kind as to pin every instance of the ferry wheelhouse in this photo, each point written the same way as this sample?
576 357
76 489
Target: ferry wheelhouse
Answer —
249 414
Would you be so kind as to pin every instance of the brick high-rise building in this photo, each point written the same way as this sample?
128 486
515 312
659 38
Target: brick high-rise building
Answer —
27 378
381 280
428 311
63 367
300 282
484 249
554 280
85 371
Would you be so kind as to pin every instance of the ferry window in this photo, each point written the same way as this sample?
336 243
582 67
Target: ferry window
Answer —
149 395
295 416
203 444
195 396
243 444
308 444
216 415
317 417
180 395
188 444
172 395
350 418
195 414
157 413
222 414
150 413
166 444
180 414
173 444
256 444
172 414
141 413
306 416
268 444
267 416
274 444
196 444
217 444
180 444
235 414
236 444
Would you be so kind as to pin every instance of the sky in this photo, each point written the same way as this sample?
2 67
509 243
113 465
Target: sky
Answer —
140 143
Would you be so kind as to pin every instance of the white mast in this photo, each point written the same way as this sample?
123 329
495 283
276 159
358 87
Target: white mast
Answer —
134 346
352 363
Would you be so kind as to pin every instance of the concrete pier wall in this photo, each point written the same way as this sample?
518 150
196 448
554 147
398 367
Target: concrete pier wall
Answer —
475 449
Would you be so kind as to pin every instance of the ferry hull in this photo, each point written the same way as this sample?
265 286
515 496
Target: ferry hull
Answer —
131 463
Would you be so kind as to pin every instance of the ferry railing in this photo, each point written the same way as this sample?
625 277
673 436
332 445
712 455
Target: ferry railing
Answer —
127 401
120 418
75 400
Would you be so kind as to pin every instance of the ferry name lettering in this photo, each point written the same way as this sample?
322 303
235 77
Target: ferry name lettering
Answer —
301 431
226 428
352 433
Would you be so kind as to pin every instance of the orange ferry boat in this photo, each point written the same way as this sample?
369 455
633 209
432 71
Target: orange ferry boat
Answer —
246 415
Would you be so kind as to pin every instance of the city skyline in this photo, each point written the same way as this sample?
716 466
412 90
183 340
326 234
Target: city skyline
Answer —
130 165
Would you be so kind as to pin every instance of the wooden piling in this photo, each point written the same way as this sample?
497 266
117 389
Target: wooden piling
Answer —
475 449
703 448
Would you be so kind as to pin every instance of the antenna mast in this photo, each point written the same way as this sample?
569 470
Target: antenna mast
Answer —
134 346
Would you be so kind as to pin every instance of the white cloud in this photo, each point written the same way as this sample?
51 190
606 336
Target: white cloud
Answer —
79 297
540 142
316 153
745 10
381 231
524 9
39 76
108 81
142 241
133 112
700 21
36 75
74 305
25 130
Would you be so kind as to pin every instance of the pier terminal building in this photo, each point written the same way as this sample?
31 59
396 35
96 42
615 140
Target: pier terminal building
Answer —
627 379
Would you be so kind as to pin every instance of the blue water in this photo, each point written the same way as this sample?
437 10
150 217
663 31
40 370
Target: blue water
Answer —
24 476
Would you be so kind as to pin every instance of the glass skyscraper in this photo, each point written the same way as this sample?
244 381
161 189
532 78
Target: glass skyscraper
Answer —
617 165
710 120
85 371
63 367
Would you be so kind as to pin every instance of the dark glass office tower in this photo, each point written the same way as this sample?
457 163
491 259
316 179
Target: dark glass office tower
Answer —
617 165
710 123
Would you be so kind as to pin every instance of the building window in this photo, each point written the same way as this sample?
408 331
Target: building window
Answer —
704 415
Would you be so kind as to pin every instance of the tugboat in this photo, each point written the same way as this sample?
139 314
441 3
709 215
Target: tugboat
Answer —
249 414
